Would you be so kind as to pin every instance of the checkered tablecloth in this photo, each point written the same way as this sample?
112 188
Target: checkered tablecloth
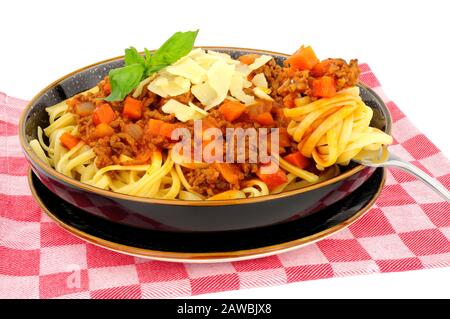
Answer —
407 229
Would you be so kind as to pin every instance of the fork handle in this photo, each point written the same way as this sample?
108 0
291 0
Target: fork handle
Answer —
396 161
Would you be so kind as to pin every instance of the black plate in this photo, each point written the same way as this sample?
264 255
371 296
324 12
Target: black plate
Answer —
222 245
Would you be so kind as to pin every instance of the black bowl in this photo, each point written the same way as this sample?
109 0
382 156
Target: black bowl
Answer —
179 215
210 247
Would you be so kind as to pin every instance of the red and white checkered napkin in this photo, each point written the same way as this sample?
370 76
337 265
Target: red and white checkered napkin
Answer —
407 229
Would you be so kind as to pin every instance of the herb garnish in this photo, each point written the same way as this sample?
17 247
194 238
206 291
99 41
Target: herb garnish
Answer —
137 67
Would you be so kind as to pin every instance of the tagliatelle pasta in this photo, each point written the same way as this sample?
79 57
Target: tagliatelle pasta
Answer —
130 145
334 130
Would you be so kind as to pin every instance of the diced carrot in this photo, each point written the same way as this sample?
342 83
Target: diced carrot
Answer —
297 159
289 101
284 139
102 130
154 126
248 58
158 127
320 69
303 59
273 180
132 108
167 129
229 172
96 118
324 87
68 140
231 110
264 118
103 114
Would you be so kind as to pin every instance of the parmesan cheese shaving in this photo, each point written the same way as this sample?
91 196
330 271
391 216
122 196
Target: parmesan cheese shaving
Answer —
259 92
196 53
219 78
236 89
259 62
168 85
188 69
223 56
230 98
211 77
259 80
243 69
199 110
137 92
182 111
204 93
206 60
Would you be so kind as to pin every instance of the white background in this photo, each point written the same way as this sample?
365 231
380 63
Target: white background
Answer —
405 42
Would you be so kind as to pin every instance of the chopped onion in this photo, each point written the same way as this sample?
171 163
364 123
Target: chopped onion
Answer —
84 108
134 130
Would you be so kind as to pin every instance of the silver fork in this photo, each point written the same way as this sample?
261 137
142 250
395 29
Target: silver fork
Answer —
383 158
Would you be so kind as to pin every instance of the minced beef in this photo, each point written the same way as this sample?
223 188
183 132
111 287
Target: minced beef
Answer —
207 181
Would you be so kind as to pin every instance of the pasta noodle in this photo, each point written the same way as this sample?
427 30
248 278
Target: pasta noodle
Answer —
334 130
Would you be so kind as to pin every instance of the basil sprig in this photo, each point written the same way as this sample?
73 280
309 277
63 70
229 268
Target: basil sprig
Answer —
137 67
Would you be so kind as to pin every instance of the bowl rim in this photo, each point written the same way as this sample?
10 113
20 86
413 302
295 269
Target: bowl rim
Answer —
35 160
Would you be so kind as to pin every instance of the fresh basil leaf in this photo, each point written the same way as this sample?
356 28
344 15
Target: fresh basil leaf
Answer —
154 68
148 57
132 56
124 80
176 47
